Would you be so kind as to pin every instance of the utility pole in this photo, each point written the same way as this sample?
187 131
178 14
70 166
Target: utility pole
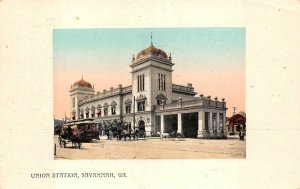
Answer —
234 108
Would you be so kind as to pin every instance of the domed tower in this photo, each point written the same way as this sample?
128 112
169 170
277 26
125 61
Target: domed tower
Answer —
151 77
79 90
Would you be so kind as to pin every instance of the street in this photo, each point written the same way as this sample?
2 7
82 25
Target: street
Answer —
155 149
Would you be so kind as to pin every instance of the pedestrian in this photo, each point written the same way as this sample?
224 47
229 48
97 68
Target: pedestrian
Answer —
107 133
69 130
240 134
110 135
243 134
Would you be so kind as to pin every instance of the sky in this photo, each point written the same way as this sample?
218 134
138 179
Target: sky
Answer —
212 59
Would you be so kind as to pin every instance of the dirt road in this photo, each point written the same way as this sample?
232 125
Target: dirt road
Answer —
155 149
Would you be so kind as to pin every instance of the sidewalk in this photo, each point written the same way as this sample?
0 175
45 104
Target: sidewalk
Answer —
104 137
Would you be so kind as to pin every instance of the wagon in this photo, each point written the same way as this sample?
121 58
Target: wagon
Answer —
70 133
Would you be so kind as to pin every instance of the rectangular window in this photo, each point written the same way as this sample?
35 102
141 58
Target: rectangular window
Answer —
161 81
141 106
113 110
143 86
128 109
164 82
158 81
73 102
105 111
138 83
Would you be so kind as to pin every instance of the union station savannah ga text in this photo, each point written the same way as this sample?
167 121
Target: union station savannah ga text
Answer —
152 103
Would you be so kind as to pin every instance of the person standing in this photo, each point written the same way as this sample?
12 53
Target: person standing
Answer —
69 130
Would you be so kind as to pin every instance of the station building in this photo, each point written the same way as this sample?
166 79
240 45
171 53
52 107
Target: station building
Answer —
153 102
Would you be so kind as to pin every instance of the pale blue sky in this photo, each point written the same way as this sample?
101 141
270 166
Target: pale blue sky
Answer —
220 46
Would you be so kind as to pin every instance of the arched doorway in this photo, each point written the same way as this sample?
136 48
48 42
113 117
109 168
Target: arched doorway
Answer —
141 125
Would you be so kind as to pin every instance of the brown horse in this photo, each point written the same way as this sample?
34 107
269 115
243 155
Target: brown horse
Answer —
72 134
76 138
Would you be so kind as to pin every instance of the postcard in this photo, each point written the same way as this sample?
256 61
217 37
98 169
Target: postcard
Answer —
149 94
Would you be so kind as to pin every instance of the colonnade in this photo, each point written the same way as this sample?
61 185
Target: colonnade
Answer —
215 128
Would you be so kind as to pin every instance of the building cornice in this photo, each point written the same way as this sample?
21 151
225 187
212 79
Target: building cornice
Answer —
107 94
180 109
153 66
139 62
184 92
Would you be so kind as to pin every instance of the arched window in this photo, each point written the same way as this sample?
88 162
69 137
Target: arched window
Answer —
81 113
128 103
87 112
105 109
141 82
113 107
93 111
141 102
98 110
161 82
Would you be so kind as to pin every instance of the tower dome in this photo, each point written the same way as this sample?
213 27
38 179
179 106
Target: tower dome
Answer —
82 83
151 50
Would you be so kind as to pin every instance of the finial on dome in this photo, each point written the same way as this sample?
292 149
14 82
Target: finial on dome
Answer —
81 76
170 57
151 40
133 58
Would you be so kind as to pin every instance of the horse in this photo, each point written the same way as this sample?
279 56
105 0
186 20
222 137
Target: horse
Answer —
175 134
139 134
124 134
72 134
164 135
76 138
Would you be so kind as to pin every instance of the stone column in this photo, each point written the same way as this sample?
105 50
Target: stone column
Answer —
210 124
218 125
179 123
162 123
201 124
224 124
147 129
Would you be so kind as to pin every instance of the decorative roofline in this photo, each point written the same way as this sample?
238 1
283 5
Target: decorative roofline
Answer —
106 94
166 61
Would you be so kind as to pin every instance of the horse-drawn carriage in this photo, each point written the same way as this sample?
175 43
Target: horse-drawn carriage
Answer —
128 135
77 132
70 133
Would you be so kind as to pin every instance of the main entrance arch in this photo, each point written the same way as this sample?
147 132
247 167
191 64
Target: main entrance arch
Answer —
141 125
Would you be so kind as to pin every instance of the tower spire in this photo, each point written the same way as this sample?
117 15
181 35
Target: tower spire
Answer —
81 76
